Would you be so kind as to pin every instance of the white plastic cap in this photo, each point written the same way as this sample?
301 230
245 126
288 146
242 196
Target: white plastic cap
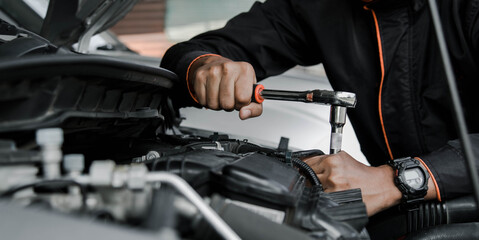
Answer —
50 136
74 162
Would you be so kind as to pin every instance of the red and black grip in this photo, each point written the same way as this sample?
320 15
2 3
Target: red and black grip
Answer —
256 97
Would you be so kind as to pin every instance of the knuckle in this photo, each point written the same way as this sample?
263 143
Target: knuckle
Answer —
332 162
212 106
212 103
338 182
214 70
243 99
248 69
200 94
226 101
245 65
226 68
228 65
227 105
201 75
335 179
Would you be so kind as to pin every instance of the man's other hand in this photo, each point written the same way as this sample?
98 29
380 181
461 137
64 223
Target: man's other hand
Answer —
340 171
222 84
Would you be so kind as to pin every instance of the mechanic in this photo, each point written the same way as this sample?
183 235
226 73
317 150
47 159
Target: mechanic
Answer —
386 52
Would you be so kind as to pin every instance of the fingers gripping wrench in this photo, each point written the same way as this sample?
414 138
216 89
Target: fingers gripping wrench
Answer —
339 102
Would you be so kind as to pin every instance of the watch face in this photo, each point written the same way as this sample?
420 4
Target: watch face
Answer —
414 178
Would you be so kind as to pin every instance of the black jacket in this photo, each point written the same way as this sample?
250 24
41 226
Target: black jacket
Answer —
403 69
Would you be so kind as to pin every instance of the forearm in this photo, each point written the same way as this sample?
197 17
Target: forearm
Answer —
393 195
447 170
387 194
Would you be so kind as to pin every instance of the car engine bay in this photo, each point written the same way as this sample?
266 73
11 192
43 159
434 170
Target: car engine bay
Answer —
92 147
102 141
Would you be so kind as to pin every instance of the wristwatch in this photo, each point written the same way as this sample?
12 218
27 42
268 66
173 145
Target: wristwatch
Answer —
411 178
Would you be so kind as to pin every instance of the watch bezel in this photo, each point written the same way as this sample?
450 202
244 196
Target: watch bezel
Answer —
406 179
409 194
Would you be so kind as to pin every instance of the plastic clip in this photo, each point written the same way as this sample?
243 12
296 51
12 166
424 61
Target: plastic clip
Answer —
287 158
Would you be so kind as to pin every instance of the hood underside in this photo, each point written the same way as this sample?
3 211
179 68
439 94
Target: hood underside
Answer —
71 21
53 90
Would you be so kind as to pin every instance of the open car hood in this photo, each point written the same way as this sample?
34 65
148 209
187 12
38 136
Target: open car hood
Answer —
83 92
44 85
71 21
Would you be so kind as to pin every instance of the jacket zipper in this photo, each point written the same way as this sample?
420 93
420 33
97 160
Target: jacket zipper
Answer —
380 47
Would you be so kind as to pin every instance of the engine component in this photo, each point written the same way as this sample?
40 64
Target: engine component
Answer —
257 226
448 232
427 215
9 154
272 192
50 140
47 225
16 175
261 177
74 164
268 187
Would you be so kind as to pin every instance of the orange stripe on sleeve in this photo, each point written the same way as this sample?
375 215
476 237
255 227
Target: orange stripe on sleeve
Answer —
438 193
380 47
191 91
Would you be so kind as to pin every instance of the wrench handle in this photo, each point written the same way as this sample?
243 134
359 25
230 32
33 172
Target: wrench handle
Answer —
256 96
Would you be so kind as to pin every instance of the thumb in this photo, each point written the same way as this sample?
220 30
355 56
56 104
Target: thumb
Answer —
250 111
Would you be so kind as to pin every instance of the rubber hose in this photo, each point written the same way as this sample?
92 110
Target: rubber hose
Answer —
428 214
308 153
247 147
310 174
456 231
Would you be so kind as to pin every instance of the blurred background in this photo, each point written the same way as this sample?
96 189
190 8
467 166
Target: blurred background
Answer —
154 25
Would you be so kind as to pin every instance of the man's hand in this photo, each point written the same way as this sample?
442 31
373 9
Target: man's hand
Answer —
340 171
220 83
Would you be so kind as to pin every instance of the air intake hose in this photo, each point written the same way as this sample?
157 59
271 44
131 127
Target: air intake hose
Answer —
459 210
428 215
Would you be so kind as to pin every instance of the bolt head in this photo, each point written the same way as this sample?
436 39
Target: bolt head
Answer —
49 136
74 162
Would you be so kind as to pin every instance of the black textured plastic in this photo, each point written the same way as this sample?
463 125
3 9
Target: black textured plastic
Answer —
260 176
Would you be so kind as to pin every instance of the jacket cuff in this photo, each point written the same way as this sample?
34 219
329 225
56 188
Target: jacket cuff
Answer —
185 62
447 166
188 84
179 65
